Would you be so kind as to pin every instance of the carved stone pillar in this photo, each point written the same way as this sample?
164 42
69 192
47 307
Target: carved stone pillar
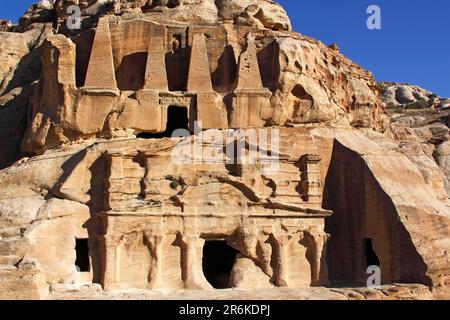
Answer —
115 180
111 262
155 278
245 239
281 267
317 240
191 264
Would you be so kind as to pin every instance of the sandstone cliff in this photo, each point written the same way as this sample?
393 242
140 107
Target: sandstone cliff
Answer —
85 118
310 82
420 119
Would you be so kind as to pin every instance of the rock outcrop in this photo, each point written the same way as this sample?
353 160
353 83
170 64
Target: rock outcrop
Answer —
296 73
299 71
285 169
421 125
406 96
20 67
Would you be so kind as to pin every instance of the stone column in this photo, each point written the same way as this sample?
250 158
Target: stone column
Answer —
191 264
111 262
317 240
155 278
281 268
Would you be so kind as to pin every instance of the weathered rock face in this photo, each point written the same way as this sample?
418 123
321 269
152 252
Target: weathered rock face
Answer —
261 13
421 125
5 25
258 13
108 199
389 214
442 156
318 85
398 95
130 202
20 61
289 81
298 71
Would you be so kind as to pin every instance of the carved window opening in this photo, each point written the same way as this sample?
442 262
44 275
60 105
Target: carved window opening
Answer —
218 262
371 256
82 255
177 118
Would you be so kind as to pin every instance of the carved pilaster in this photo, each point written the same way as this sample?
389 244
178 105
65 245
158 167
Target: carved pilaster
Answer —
111 262
245 239
310 178
281 265
191 264
317 241
155 245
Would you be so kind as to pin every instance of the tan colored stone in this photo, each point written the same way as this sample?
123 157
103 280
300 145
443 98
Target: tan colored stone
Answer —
249 75
155 74
255 94
100 72
137 220
199 76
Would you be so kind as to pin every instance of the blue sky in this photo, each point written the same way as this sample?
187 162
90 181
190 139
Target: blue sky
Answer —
412 46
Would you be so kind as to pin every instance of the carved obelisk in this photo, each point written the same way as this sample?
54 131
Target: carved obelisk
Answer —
250 99
155 72
199 78
249 75
210 112
100 73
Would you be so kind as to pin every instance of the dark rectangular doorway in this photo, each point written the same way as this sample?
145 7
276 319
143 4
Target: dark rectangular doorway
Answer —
371 256
218 262
82 255
177 118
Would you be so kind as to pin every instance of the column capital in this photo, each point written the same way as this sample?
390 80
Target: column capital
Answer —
193 240
282 238
154 239
311 158
111 240
317 235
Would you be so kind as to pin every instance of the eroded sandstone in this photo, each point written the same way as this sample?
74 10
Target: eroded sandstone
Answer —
99 203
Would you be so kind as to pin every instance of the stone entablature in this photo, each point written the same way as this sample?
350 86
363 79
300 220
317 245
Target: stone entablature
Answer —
160 183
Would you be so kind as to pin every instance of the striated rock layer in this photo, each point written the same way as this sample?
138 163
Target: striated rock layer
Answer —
99 195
